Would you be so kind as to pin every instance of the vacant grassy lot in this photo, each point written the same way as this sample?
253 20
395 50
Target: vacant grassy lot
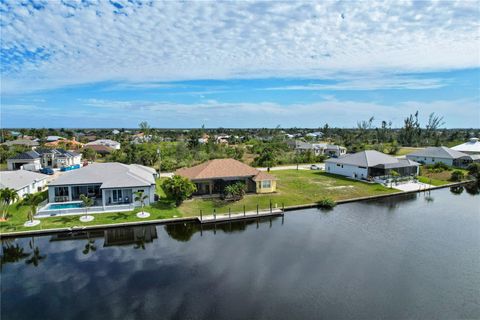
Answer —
437 178
294 188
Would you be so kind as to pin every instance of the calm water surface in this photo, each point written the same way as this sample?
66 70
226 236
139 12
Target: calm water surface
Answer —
415 256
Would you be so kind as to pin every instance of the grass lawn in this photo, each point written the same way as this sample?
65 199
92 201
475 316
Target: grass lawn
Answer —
18 213
406 150
294 188
437 178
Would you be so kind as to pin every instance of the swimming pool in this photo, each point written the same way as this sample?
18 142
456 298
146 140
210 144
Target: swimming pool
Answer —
69 205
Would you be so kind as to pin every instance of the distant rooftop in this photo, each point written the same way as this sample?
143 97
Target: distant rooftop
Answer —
473 145
438 152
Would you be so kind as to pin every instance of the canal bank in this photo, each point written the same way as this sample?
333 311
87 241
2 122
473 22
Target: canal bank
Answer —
221 218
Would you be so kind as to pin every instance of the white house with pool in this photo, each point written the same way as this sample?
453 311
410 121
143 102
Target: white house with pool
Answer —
110 185
370 165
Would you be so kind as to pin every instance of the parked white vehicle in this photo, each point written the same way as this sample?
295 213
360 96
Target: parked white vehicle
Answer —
315 167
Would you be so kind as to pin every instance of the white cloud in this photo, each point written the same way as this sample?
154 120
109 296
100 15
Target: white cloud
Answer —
342 113
372 83
84 42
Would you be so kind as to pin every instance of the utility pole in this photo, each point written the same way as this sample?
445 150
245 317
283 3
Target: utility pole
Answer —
159 154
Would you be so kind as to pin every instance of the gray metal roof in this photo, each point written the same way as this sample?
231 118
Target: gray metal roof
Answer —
473 145
438 152
109 175
367 158
19 179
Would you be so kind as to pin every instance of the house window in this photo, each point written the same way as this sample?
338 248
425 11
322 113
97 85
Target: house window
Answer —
338 165
266 184
363 167
61 191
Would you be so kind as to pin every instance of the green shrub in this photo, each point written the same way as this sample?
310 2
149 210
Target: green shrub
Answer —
457 175
438 167
178 188
474 170
327 203
235 191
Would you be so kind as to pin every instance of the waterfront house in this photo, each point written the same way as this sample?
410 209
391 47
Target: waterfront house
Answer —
213 176
471 147
432 155
369 164
43 158
108 184
23 181
105 142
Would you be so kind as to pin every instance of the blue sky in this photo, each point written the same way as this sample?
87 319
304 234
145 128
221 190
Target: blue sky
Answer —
243 64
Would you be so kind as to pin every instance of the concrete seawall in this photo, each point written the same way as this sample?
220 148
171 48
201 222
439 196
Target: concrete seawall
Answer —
196 219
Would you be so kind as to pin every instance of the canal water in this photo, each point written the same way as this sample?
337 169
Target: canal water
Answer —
413 256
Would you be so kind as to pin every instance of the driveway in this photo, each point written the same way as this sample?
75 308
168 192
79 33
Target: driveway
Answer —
289 167
294 167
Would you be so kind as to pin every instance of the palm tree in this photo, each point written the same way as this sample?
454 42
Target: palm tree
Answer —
7 196
139 196
87 203
32 200
11 253
89 247
36 256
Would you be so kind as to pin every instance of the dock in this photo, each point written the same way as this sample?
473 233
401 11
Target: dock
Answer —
225 217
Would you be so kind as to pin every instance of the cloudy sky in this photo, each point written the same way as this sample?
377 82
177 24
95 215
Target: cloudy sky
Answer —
237 64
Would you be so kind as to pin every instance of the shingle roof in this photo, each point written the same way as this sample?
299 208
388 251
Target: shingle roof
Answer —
261 176
19 179
218 168
109 175
438 152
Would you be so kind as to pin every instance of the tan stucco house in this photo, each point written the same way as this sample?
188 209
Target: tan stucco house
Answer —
212 176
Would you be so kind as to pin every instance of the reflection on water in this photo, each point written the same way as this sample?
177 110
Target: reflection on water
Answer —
137 237
393 203
473 188
414 256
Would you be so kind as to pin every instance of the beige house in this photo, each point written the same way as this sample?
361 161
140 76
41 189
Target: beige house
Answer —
213 176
